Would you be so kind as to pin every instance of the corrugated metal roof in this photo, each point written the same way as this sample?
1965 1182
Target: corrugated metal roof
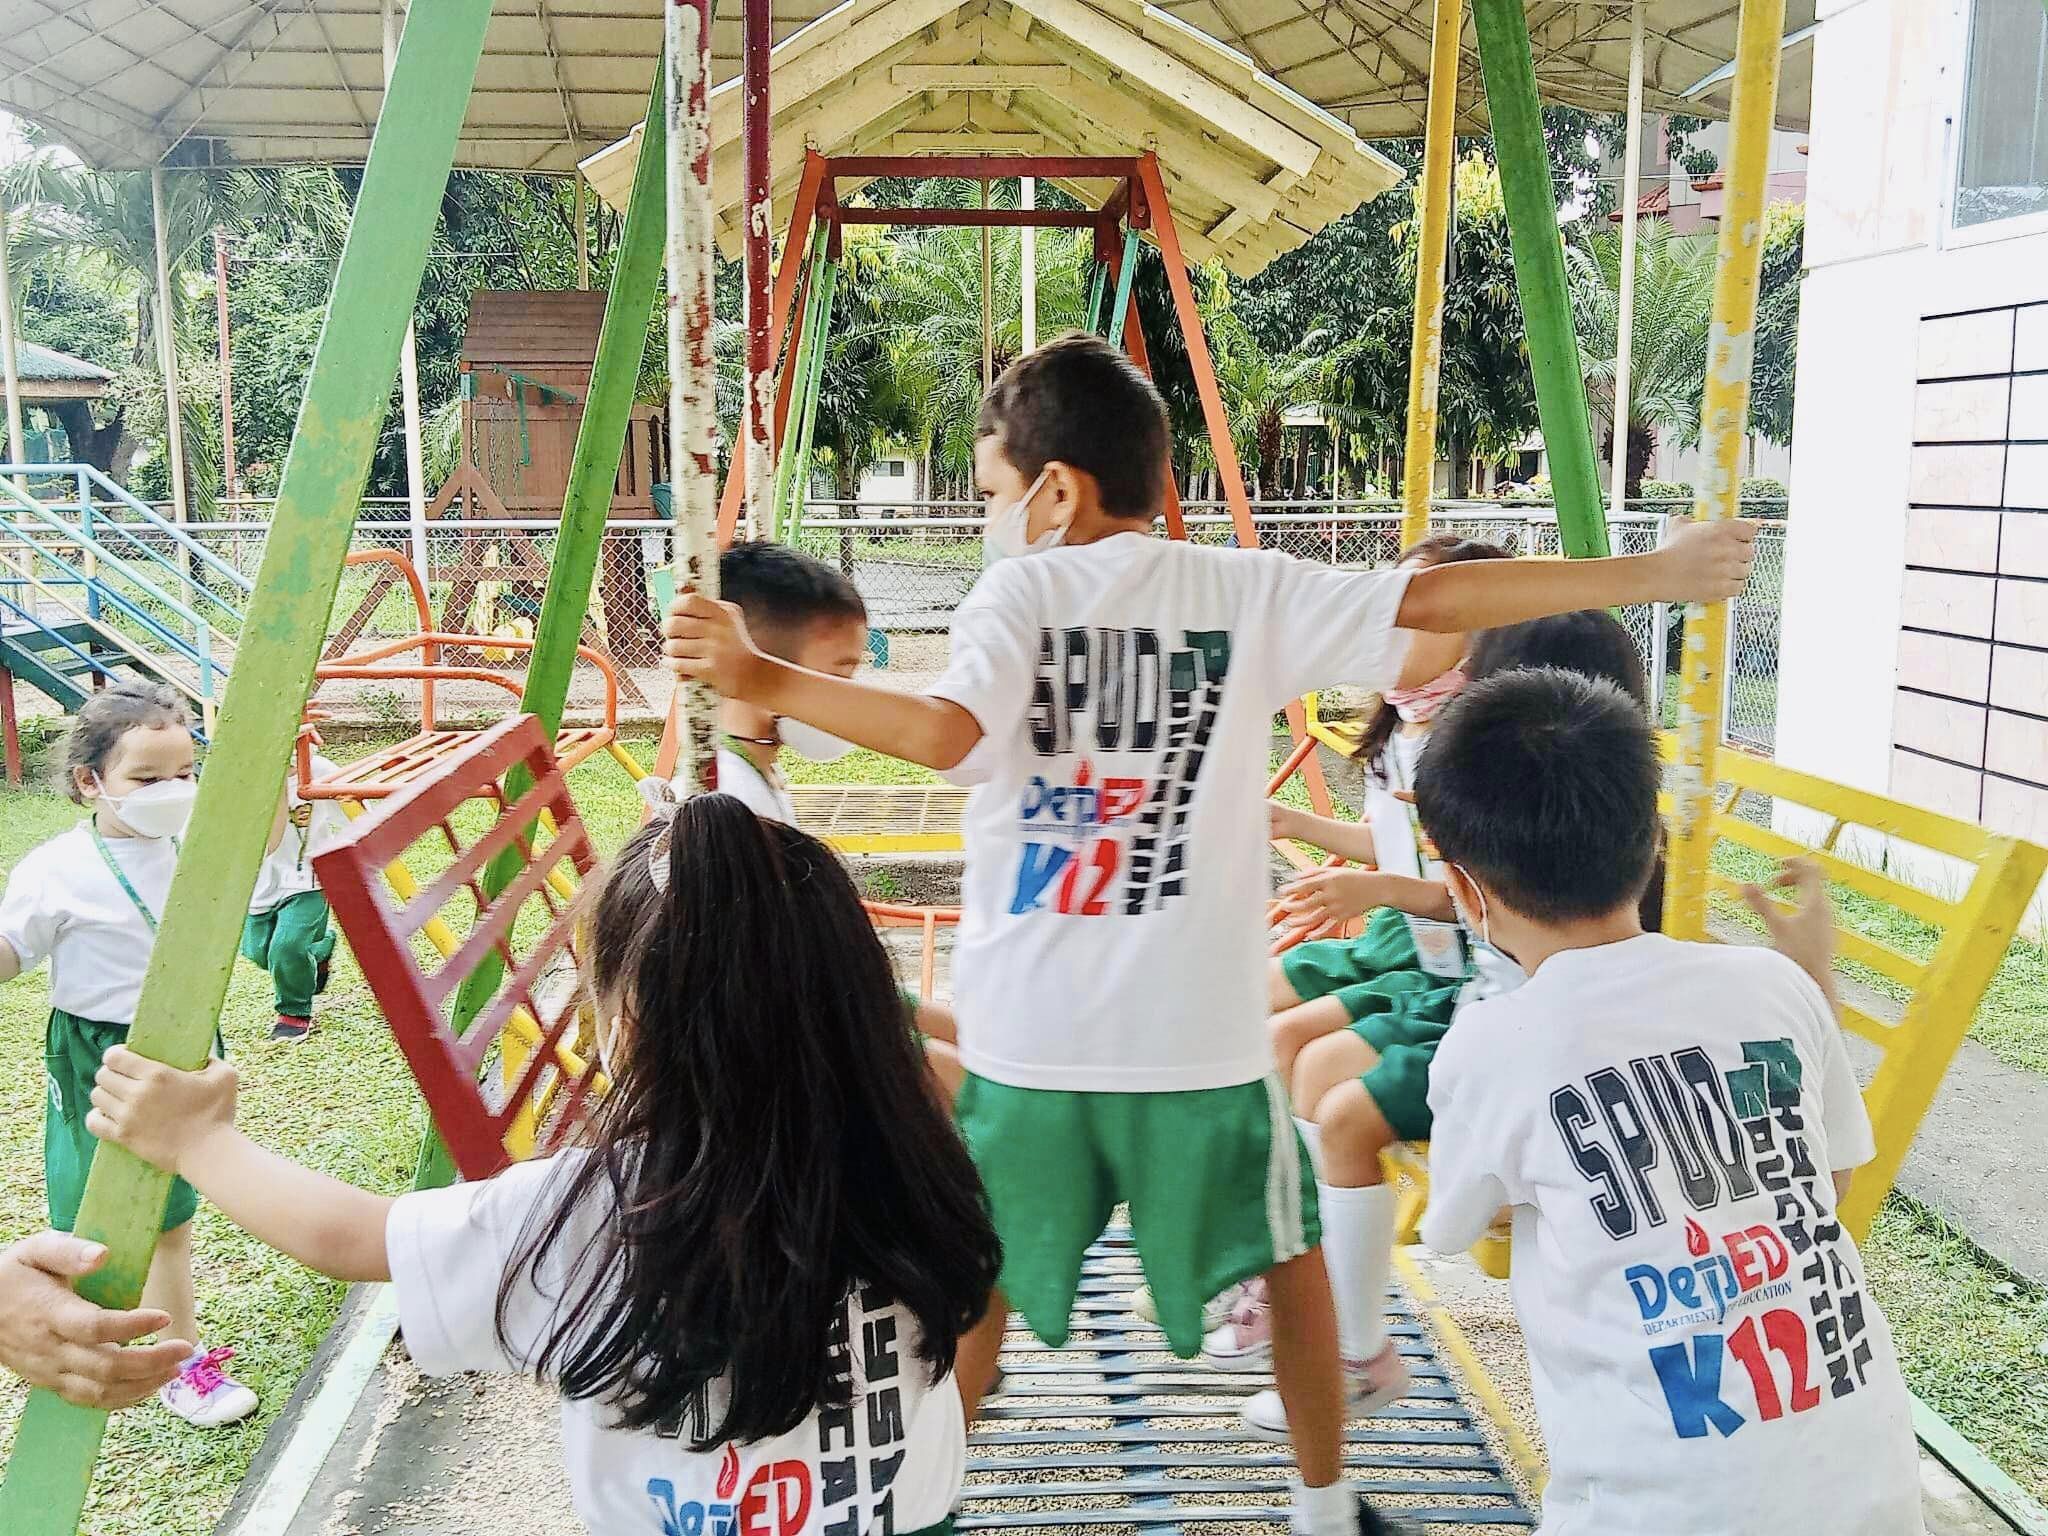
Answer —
125 81
45 365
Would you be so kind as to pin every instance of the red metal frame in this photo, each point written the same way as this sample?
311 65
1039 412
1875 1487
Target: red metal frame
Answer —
451 1069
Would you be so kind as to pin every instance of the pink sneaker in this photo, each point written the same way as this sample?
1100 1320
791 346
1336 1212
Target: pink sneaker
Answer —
1369 1386
1245 1341
204 1395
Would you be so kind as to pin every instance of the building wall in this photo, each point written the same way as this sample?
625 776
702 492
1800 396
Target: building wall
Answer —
1915 647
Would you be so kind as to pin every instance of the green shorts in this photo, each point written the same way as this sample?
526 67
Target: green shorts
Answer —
1404 1024
72 1048
1217 1180
1360 973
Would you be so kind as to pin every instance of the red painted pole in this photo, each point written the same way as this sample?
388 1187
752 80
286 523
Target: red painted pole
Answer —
758 458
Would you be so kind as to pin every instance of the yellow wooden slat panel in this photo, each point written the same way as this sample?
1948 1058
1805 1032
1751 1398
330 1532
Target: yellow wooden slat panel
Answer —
1896 893
1849 944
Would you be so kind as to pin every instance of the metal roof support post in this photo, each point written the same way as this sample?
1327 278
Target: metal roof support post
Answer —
1510 69
10 360
167 350
757 459
51 1467
692 389
1625 314
1724 411
409 379
1426 350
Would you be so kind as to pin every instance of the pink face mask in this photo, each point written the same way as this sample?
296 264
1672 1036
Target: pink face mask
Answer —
1418 706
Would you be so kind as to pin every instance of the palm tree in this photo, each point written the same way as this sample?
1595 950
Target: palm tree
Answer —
1259 387
1668 336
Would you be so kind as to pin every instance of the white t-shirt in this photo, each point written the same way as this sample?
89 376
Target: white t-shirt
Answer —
1706 1359
738 777
63 903
288 868
1400 848
1113 934
894 1461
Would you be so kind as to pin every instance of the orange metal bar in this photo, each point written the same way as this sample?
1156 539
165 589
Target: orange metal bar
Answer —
1134 340
415 585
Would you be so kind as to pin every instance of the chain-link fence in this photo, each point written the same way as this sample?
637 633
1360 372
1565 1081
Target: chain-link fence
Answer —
487 578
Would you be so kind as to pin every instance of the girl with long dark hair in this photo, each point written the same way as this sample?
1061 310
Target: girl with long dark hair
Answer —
749 1278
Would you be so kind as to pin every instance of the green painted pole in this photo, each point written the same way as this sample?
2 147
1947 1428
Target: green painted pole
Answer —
1126 274
357 358
579 543
800 376
800 477
1524 159
1098 287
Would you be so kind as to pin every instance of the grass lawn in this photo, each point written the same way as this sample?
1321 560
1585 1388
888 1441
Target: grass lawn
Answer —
344 1102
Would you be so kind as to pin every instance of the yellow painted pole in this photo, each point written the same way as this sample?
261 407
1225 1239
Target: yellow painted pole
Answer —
1724 410
1432 233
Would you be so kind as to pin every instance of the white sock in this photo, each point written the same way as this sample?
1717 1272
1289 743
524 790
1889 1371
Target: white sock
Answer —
1358 1247
1331 1510
1312 1135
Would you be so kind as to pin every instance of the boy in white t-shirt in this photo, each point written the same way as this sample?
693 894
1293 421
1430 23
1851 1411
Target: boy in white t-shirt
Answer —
287 931
1673 1125
1114 701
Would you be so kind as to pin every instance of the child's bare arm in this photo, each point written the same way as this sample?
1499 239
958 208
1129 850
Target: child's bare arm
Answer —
708 641
1337 895
1347 839
10 962
184 1122
1703 563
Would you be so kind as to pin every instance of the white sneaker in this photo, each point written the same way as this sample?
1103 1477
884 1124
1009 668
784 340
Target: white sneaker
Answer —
204 1395
1244 1341
1369 1386
1214 1315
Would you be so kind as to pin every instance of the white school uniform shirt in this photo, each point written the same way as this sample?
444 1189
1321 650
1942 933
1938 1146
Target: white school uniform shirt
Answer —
1112 935
893 1461
63 904
738 777
1399 848
1705 1355
288 868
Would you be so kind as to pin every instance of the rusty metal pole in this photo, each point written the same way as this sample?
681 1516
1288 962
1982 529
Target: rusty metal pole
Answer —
231 480
759 449
692 387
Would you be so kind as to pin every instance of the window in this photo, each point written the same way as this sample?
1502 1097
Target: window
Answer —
2002 172
894 469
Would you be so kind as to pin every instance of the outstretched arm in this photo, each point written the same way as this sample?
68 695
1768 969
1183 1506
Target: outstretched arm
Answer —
1703 563
708 641
1347 839
184 1122
10 962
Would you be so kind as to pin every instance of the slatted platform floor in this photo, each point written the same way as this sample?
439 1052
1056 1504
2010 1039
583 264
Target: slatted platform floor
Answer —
1113 1434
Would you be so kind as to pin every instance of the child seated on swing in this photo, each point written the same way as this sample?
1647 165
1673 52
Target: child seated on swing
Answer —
1674 1126
1112 695
749 1277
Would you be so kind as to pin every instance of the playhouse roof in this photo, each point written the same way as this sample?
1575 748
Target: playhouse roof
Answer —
124 82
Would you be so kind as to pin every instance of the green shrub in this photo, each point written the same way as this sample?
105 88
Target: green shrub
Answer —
1665 490
1763 493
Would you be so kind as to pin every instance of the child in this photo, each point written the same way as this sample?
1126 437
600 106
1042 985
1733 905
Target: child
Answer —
1359 1090
88 901
287 932
808 614
1409 946
749 1280
1114 699
1664 1119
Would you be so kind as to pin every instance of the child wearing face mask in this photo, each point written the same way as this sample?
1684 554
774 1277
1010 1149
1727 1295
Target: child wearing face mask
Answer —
808 614
89 901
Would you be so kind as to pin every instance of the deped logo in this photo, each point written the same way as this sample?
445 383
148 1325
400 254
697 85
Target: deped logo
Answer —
1712 1281
777 1502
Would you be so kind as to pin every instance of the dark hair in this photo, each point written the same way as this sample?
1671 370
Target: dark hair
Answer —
1593 644
781 591
111 714
1542 784
1590 642
1080 401
1437 549
770 1141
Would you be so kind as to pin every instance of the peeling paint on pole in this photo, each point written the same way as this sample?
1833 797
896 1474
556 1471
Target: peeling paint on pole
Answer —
758 226
692 403
1433 233
1724 408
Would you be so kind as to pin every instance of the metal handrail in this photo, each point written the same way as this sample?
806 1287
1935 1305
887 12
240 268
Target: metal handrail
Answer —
87 475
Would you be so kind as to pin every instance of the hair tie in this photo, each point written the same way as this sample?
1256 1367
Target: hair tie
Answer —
660 797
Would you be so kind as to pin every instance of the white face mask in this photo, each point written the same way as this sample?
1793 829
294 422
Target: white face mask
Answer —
808 741
1007 533
1497 970
158 810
